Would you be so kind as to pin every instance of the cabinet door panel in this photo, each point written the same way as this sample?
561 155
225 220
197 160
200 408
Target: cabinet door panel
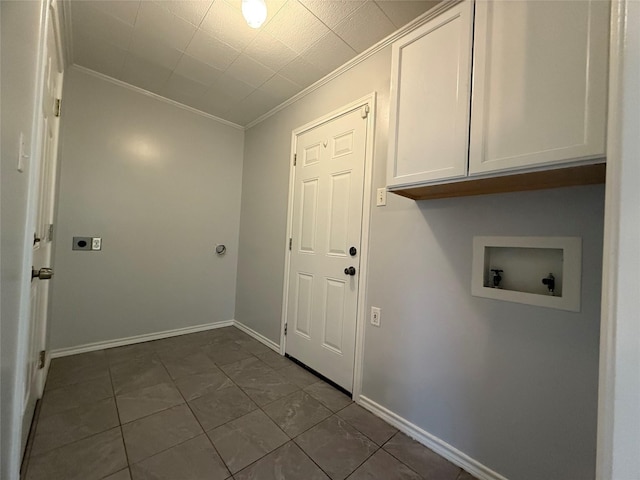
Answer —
539 83
430 91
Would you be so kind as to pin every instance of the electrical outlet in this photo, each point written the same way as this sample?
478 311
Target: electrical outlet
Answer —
381 197
96 243
375 316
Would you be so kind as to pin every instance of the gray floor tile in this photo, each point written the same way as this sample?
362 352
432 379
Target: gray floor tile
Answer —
194 459
298 375
203 383
382 465
72 425
225 353
136 374
373 427
274 360
157 432
287 462
329 396
145 401
464 475
221 406
88 459
424 461
129 353
252 345
263 384
335 435
297 413
188 364
77 369
121 475
246 439
73 396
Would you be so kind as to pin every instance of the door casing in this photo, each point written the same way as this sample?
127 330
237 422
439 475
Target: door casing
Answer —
370 101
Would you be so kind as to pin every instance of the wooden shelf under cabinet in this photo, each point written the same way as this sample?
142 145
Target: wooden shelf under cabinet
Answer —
556 178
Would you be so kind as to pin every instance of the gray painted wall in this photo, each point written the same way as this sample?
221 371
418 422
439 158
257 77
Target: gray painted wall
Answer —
512 386
20 36
161 186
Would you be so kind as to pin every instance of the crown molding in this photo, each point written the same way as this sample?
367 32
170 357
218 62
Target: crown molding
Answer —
147 93
385 42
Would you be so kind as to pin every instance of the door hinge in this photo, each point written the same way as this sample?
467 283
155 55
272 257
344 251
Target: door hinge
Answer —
286 327
364 113
50 232
290 242
57 106
41 359
295 159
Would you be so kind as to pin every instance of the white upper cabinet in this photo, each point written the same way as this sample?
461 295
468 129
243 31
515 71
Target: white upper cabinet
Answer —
430 88
539 83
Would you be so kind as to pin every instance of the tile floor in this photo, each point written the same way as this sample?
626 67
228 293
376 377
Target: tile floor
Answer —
213 405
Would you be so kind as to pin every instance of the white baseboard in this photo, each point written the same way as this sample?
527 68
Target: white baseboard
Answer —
90 347
258 336
442 448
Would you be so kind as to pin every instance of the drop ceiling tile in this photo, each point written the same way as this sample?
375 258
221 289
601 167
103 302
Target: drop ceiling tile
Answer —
99 56
88 21
183 90
255 105
296 27
401 12
227 24
329 53
155 51
123 10
144 74
189 10
156 22
232 87
280 88
211 51
217 103
365 27
332 12
269 51
196 70
301 72
249 71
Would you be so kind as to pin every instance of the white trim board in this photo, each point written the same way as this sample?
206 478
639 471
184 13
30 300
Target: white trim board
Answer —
147 337
442 448
147 93
258 336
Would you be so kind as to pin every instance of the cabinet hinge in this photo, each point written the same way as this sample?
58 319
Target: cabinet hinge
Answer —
295 159
286 327
57 106
41 359
364 113
290 242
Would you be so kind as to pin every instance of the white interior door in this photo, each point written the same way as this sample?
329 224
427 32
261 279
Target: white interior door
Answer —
326 240
42 237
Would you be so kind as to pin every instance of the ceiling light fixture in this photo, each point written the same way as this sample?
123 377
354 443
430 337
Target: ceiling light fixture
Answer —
255 12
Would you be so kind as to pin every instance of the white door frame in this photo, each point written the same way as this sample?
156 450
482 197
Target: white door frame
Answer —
619 381
50 12
369 100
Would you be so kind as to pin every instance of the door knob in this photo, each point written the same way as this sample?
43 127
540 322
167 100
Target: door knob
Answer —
350 271
42 274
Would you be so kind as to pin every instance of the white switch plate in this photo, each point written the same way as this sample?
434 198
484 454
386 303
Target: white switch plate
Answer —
381 197
96 243
375 316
